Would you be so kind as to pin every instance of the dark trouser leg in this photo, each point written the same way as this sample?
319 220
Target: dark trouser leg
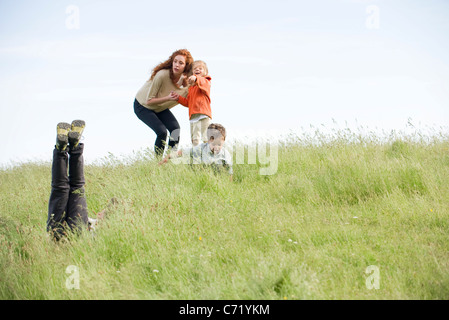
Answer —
159 123
57 205
77 215
170 122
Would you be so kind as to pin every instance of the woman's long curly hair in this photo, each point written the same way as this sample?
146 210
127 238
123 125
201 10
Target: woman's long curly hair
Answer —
168 64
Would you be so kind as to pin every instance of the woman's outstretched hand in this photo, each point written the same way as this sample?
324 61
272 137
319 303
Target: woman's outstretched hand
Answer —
173 96
181 80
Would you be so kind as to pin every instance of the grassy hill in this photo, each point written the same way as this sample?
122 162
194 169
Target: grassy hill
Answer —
342 217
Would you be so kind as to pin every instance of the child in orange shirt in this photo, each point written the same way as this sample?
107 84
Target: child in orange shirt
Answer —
198 102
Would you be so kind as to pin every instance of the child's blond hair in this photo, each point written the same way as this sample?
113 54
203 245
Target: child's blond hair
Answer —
204 65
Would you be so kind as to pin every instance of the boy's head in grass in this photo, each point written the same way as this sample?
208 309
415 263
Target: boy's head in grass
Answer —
216 134
199 68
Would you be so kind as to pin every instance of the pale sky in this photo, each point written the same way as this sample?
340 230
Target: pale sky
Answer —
276 67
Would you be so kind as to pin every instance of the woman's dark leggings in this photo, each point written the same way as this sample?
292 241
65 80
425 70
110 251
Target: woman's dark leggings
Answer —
159 123
67 206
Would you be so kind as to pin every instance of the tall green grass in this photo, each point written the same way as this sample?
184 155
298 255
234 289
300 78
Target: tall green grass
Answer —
337 204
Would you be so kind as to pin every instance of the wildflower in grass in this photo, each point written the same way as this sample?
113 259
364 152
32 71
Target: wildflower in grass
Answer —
199 238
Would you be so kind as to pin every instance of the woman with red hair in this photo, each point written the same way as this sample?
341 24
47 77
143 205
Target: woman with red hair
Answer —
159 94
